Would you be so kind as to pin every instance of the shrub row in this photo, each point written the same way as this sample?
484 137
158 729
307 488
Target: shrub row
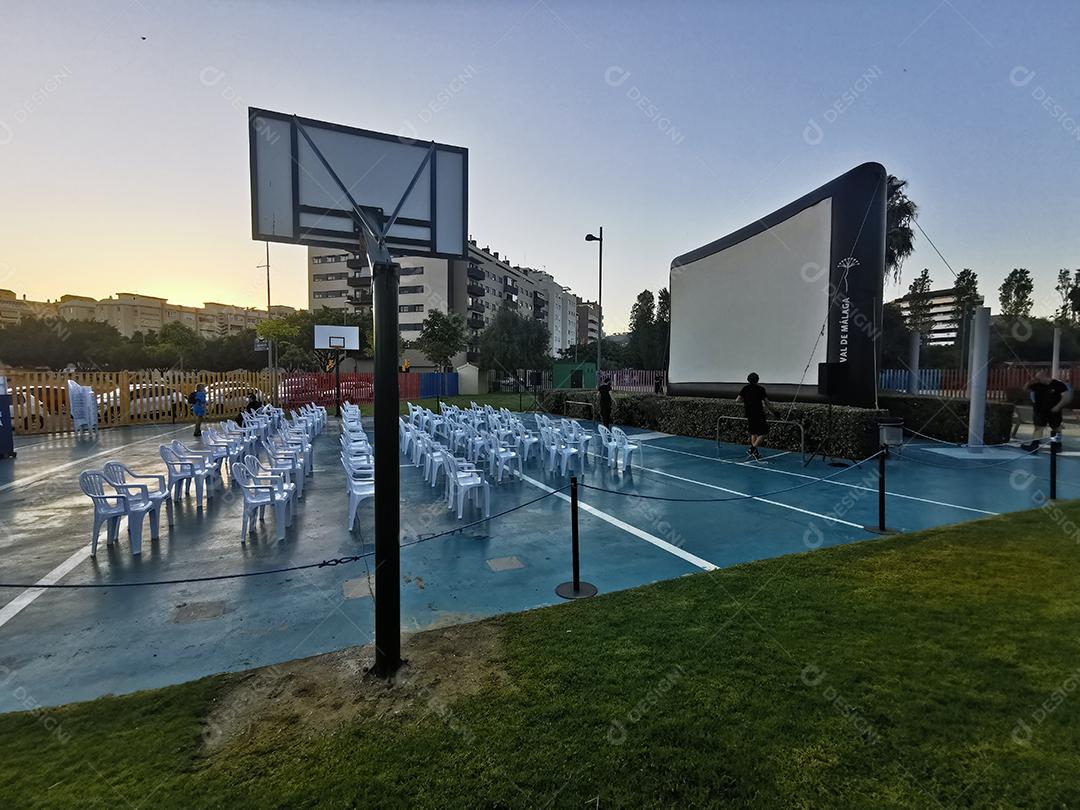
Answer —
947 417
854 431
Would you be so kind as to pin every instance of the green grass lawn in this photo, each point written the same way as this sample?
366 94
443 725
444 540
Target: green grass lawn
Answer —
934 669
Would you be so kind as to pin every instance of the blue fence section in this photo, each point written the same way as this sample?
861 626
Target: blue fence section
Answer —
434 384
896 379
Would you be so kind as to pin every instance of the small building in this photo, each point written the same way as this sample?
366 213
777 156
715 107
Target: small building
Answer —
569 374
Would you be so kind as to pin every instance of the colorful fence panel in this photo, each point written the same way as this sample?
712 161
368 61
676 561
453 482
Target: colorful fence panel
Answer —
1005 383
40 398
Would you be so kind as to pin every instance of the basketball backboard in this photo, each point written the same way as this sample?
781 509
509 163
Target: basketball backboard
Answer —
307 175
346 338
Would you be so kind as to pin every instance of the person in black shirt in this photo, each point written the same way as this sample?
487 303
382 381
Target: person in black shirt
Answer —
605 401
1048 397
755 400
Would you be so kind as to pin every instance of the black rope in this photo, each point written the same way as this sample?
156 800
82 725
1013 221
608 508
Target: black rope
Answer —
323 564
1005 463
734 497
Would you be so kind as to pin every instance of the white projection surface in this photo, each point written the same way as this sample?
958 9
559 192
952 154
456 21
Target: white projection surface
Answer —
758 305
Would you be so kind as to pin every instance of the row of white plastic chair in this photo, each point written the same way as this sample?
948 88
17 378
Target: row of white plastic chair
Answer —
119 492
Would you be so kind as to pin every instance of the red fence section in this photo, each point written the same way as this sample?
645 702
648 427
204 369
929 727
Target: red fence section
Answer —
321 388
635 380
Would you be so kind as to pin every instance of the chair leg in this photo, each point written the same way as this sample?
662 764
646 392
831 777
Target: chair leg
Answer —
135 523
279 518
244 526
198 491
114 529
169 511
155 523
97 530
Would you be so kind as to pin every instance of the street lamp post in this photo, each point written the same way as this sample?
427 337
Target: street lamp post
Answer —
599 295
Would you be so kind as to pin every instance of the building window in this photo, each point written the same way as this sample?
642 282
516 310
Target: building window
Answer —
410 308
329 294
337 257
329 276
411 271
416 288
410 327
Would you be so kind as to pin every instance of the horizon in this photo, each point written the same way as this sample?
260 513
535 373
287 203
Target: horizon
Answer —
674 127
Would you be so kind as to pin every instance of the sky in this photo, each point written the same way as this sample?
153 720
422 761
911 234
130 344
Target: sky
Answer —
124 154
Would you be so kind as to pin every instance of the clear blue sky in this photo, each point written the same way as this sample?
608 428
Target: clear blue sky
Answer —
124 161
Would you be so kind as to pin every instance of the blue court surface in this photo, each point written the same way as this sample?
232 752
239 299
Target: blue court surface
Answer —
65 645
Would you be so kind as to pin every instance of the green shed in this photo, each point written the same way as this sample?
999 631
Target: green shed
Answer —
571 374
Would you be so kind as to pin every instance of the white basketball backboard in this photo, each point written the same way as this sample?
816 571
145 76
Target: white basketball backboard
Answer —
346 338
303 173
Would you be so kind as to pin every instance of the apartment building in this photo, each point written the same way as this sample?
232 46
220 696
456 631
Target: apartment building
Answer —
133 312
589 319
943 315
13 309
476 287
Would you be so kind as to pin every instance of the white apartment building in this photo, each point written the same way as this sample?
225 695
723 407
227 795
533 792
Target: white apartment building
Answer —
943 316
476 288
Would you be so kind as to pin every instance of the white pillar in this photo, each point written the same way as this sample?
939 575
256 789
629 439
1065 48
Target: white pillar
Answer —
980 358
1055 362
915 344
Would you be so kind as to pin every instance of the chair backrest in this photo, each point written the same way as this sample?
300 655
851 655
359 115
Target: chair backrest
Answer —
253 465
605 434
618 434
116 473
92 483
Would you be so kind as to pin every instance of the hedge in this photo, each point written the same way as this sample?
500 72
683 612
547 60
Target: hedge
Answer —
947 417
854 430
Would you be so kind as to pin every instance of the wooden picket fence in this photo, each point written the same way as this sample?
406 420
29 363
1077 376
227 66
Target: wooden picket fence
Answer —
40 398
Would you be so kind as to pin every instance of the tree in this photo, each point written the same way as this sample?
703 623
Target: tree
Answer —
895 348
900 213
511 343
1014 294
967 299
1074 297
1064 288
441 337
919 317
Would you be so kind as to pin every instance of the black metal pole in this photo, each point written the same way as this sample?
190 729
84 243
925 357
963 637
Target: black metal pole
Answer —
881 491
387 484
881 527
575 589
337 381
1054 444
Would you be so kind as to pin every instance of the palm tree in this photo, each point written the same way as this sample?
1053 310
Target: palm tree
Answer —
900 213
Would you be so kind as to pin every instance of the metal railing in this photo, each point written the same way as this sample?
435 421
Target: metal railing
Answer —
589 405
799 425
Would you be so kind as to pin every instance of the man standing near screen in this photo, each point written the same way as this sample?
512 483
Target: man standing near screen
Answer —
755 400
1048 397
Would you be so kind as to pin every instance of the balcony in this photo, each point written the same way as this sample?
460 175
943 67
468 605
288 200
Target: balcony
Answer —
510 288
357 280
475 322
363 298
511 302
476 306
475 290
475 273
540 295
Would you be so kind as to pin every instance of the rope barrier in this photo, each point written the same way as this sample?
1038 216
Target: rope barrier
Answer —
1006 462
734 497
952 444
323 564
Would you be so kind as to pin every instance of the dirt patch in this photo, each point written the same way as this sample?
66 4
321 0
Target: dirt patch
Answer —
319 695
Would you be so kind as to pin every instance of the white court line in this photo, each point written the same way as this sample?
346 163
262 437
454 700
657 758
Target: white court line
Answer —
32 479
704 565
24 599
753 497
829 481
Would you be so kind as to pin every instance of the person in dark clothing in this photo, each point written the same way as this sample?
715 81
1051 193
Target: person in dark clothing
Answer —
755 401
1048 398
605 401
658 384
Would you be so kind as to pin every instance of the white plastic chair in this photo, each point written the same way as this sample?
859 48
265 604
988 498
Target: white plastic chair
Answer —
623 446
608 445
118 474
463 479
258 494
499 456
555 447
361 484
181 472
259 470
127 500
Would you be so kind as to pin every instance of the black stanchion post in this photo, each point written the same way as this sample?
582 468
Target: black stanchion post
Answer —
881 527
575 589
1054 446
